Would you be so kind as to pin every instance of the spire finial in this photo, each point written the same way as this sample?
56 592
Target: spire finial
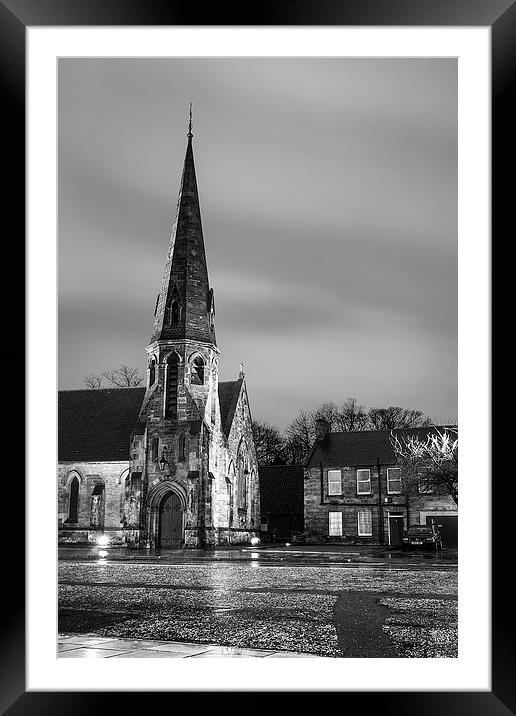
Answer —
190 135
241 375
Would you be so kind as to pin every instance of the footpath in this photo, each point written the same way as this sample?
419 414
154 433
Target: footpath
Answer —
76 646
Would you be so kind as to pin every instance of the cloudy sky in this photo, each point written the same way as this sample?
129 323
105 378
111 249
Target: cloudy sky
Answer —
328 195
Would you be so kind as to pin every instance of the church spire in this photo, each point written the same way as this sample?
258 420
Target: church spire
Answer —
185 307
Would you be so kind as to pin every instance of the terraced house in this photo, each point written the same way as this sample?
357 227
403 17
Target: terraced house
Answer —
173 464
355 492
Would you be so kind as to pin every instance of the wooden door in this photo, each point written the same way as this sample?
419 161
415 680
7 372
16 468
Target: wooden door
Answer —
171 521
395 530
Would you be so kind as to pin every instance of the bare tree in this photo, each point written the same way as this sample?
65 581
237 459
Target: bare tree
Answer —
394 417
93 381
123 377
300 435
431 460
329 412
352 416
269 443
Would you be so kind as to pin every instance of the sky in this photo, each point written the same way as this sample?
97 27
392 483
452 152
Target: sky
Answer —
328 192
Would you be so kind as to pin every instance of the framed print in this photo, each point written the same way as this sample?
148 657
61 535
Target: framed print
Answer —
66 70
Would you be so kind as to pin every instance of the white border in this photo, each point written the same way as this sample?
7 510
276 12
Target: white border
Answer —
471 671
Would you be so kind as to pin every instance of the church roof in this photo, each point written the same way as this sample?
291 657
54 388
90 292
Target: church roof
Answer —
360 447
185 305
97 424
281 489
229 393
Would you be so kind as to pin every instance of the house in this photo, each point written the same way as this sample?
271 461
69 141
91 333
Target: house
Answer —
172 464
354 492
281 501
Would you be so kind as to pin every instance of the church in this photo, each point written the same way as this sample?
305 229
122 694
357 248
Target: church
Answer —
172 464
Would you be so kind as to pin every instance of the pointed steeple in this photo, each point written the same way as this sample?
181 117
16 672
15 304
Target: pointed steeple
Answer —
185 307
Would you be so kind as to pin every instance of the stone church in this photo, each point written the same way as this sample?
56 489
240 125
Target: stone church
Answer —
172 464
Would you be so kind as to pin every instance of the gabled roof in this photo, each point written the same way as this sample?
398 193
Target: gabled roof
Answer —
361 447
281 489
229 392
97 424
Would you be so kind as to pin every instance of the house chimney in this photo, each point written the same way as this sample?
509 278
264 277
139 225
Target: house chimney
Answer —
322 428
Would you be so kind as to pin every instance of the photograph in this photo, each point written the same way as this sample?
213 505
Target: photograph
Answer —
257 333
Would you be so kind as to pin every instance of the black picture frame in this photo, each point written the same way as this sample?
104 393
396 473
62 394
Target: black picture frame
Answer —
500 16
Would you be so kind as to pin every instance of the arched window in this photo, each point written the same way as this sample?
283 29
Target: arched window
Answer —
229 488
172 377
97 506
241 483
174 313
73 506
152 371
173 308
197 373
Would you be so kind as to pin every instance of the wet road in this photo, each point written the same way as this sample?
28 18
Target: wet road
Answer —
350 603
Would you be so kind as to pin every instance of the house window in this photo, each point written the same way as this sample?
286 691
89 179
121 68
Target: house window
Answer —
155 449
365 524
363 482
197 375
335 524
393 480
334 482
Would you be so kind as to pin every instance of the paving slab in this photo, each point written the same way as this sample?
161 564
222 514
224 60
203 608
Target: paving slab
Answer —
85 652
147 653
70 646
180 648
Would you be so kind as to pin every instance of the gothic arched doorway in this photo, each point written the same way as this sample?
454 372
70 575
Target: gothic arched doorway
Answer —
166 513
170 521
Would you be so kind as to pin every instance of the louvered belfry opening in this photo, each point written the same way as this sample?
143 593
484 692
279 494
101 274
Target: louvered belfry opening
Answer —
172 378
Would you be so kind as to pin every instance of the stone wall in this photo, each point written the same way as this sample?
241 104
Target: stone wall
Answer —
318 504
94 516
240 439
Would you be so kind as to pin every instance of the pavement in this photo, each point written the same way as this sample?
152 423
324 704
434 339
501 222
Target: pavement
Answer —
73 646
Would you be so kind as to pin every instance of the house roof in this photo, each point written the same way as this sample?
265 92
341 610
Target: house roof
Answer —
97 424
281 489
361 447
229 393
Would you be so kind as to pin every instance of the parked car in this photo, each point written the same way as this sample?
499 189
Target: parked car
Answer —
422 537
